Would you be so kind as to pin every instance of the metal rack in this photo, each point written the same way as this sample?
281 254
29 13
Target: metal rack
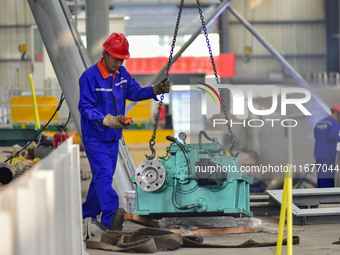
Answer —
312 206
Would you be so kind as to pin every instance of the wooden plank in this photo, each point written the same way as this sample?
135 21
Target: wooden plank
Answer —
141 220
217 231
209 231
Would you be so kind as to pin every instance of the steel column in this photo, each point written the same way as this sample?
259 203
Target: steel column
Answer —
97 27
332 35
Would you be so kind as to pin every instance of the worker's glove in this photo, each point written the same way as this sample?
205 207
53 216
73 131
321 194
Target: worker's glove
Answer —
113 121
162 87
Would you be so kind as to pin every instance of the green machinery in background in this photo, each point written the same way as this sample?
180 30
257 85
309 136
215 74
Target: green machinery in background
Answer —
192 179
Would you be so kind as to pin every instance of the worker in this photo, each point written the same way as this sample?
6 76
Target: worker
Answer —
327 135
104 88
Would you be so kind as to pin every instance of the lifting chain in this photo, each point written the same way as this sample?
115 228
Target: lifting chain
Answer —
207 40
232 139
152 141
231 136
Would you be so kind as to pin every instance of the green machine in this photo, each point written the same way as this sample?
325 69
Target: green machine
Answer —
192 179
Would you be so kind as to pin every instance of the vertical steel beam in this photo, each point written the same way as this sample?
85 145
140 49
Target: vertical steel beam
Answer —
97 27
224 41
224 32
332 35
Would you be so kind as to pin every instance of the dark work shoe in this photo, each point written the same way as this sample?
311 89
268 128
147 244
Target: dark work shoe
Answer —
118 219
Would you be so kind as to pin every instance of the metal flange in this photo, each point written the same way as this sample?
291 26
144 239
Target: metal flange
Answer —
150 175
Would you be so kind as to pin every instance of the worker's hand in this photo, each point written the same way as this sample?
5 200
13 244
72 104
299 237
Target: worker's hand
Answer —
162 87
113 121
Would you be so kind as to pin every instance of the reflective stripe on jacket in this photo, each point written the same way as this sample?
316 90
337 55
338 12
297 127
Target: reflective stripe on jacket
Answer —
101 94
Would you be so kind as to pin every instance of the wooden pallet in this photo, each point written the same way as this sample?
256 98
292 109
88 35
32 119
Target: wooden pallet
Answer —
135 218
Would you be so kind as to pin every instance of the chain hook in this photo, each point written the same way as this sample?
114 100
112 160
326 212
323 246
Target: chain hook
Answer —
153 151
152 141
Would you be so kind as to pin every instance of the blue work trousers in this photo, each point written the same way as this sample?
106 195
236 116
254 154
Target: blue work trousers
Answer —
325 173
101 197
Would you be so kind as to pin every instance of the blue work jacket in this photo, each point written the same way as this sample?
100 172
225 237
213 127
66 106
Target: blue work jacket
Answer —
101 94
326 134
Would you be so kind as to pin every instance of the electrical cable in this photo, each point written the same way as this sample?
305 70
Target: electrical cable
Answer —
63 128
40 131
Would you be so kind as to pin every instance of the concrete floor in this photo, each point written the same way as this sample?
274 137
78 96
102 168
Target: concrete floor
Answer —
314 239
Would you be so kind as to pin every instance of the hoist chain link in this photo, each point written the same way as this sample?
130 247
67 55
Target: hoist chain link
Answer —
232 139
207 40
152 141
174 37
231 136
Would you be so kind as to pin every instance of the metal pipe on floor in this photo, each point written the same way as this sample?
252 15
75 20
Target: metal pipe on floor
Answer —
6 172
10 171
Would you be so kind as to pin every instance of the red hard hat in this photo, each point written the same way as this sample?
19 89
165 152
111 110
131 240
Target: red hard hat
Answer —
117 45
336 107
